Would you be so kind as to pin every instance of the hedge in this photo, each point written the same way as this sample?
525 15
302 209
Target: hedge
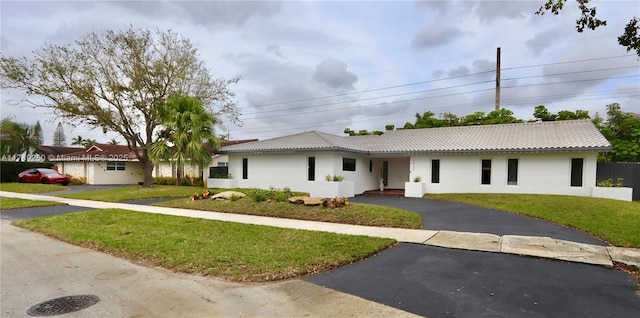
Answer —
9 169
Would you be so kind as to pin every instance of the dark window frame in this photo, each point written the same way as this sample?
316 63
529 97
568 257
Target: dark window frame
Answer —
311 168
245 168
348 164
116 166
512 171
577 172
485 172
435 170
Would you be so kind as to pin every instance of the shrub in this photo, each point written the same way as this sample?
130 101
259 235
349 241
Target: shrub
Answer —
259 196
275 194
609 183
334 178
417 179
76 180
185 181
234 197
164 180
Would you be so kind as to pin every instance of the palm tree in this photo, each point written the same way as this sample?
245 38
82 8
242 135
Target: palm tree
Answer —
17 139
188 125
113 141
88 142
79 141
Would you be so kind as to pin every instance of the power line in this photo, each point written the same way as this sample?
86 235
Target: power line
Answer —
425 82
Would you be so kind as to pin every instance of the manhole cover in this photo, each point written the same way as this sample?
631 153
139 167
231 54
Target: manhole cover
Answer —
63 305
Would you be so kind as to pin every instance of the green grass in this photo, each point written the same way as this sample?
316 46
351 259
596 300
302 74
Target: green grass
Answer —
30 187
354 213
136 192
234 251
15 203
617 222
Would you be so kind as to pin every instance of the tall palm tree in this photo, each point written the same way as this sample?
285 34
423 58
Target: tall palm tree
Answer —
188 125
79 141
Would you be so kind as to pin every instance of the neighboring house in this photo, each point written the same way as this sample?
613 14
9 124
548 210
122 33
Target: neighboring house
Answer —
47 152
99 164
538 158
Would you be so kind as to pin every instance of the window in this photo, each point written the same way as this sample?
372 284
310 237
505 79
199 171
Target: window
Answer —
576 171
348 164
311 169
512 171
486 171
370 165
245 168
115 165
385 173
223 164
435 171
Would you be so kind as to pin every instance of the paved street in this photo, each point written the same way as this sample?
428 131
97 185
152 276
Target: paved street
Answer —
35 268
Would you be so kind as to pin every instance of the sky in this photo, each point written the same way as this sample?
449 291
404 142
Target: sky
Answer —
331 65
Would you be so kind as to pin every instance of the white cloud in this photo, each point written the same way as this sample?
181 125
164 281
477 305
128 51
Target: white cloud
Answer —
328 65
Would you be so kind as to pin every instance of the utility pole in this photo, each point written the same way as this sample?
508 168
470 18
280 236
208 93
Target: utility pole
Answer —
498 79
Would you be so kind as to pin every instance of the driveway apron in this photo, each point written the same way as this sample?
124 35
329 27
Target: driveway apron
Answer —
450 216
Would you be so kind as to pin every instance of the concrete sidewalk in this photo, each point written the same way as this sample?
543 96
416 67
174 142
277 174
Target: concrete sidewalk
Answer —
536 246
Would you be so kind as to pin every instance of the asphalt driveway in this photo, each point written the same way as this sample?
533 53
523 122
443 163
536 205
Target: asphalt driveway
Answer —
439 282
451 216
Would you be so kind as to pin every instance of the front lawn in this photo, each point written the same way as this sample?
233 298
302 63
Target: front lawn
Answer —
234 251
30 187
354 213
15 203
135 193
617 222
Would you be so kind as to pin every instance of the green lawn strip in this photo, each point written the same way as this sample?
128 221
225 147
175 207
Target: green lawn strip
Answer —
617 222
30 187
16 203
234 251
354 213
135 193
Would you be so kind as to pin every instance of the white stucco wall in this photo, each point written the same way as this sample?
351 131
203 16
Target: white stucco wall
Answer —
537 173
291 170
163 169
99 174
73 168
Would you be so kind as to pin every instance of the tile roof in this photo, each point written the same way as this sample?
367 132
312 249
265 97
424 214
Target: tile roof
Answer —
55 150
96 151
574 135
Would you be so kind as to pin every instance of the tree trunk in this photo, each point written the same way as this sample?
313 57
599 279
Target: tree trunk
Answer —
178 175
148 173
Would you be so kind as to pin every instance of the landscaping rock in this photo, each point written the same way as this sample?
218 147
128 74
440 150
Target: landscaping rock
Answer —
226 195
309 201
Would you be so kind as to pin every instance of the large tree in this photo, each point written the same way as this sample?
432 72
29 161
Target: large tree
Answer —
630 38
188 126
59 139
114 81
622 129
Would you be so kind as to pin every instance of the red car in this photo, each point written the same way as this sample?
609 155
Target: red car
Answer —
42 175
